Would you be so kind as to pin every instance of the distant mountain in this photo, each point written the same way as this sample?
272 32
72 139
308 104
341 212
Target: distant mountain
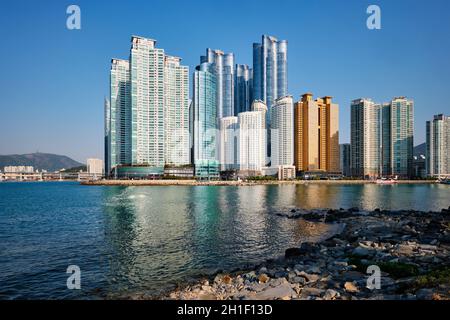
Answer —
41 161
420 149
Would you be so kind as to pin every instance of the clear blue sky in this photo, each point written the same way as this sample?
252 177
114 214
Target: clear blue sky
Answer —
53 80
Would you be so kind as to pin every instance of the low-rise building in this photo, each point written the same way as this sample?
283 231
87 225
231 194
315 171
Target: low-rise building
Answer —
286 172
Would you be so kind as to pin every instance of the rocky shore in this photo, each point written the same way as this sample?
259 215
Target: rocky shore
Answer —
411 249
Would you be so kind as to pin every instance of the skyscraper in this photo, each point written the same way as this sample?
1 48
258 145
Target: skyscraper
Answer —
252 140
147 103
120 114
365 138
229 144
204 122
222 66
282 132
269 75
176 112
382 138
269 69
344 150
107 133
243 85
402 131
316 138
148 116
438 146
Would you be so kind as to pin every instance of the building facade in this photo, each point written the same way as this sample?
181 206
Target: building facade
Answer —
382 138
316 134
229 143
243 88
176 113
269 76
438 146
402 135
205 160
119 114
365 138
345 156
252 142
282 132
222 66
147 117
269 70
107 132
18 169
94 166
147 103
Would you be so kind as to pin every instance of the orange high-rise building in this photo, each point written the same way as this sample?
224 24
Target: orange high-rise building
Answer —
316 136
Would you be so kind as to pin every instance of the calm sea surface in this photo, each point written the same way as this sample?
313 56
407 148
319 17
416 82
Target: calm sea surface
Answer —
130 240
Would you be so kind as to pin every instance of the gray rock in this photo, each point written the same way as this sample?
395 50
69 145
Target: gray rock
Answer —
313 269
330 294
362 252
352 276
299 280
311 292
424 294
263 270
428 247
309 277
404 249
283 291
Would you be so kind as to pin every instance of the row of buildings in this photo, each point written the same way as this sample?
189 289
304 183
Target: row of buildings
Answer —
241 119
382 142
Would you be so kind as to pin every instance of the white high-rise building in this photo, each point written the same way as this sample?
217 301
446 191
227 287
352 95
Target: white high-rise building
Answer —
402 136
228 143
438 146
147 103
382 138
176 105
258 105
120 114
365 138
282 132
94 166
147 119
251 137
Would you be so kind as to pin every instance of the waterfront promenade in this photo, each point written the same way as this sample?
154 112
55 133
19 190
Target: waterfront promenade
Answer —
236 183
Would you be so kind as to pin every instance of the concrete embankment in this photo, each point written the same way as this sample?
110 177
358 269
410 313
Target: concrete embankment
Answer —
235 183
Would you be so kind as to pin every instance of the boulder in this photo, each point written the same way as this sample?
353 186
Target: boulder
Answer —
350 287
283 291
263 278
330 294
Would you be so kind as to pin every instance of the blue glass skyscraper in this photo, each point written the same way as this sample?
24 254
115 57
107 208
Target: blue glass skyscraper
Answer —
269 69
204 122
243 85
269 74
222 66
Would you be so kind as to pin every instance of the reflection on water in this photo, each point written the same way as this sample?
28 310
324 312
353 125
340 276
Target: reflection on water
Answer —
144 239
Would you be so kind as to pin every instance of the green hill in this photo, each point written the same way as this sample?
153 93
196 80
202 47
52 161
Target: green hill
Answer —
40 161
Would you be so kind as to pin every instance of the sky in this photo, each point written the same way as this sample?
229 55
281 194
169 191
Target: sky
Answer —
53 80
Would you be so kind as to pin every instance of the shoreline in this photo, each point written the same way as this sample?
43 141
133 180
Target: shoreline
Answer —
237 183
411 249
